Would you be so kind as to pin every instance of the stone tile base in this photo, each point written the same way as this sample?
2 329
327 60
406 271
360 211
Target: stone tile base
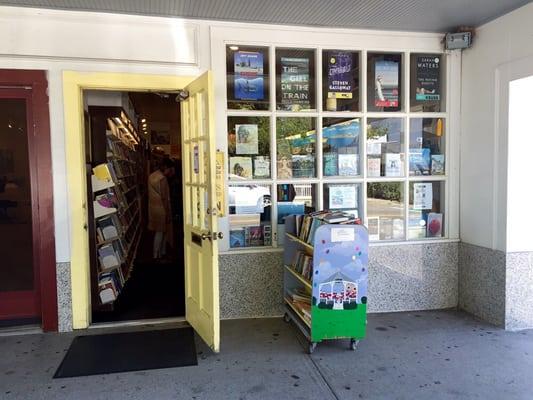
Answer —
519 291
64 298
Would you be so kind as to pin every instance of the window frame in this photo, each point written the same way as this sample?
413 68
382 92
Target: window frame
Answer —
226 37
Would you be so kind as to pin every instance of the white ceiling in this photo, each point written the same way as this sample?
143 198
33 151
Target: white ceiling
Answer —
412 15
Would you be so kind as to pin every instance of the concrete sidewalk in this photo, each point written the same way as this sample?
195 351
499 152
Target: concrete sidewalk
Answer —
418 355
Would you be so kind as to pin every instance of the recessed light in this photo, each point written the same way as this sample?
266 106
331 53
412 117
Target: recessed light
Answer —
143 120
234 48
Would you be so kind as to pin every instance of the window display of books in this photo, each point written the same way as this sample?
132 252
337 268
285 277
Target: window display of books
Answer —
250 236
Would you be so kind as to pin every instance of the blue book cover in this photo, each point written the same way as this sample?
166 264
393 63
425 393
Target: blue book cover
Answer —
236 238
249 82
419 161
330 164
289 208
340 75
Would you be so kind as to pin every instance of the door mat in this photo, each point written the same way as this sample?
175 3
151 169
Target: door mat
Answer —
129 351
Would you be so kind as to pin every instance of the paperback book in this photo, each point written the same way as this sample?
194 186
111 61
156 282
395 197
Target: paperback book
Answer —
393 164
437 164
295 94
249 81
419 161
386 82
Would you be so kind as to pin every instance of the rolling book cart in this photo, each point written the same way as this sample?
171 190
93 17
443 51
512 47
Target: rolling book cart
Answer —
325 283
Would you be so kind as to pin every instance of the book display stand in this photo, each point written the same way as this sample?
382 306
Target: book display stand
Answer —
117 208
325 283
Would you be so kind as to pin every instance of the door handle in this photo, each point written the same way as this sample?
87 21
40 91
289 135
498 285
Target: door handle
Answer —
206 236
220 235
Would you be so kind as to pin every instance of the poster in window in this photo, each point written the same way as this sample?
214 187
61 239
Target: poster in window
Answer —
428 78
342 196
249 81
422 196
247 139
240 167
340 76
295 93
387 78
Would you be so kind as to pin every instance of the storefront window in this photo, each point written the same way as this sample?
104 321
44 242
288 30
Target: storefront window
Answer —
250 218
295 80
385 208
426 146
340 147
249 148
426 210
340 80
302 150
427 93
296 140
384 82
247 70
384 147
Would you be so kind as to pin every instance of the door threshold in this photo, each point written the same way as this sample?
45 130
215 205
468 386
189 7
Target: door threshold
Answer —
140 322
21 330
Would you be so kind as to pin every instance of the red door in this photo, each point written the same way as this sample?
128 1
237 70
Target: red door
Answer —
20 297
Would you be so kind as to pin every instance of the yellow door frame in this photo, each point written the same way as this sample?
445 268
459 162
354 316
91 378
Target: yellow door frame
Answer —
73 85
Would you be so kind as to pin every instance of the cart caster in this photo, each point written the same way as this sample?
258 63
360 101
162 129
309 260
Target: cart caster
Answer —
353 344
286 318
312 347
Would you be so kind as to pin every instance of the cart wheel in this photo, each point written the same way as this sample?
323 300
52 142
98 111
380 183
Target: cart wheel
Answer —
312 347
286 318
353 344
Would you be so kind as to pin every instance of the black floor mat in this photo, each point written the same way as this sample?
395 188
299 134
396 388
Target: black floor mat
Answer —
130 351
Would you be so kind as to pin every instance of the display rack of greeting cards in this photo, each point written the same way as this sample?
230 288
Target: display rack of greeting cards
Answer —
116 208
326 277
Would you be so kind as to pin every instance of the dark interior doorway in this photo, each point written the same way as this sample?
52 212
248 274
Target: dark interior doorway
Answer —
153 288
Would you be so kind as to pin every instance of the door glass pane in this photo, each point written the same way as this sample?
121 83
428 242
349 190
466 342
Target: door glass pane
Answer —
16 243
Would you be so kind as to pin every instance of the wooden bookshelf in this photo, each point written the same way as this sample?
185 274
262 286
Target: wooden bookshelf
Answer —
118 167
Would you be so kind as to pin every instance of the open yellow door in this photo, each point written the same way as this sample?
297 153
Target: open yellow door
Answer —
200 215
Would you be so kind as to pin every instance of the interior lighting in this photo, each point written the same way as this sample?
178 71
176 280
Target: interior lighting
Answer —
234 48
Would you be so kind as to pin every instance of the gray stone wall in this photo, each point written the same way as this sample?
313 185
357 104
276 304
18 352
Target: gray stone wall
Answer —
402 277
519 291
64 297
482 282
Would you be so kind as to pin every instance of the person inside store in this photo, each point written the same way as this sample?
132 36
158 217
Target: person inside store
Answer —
159 209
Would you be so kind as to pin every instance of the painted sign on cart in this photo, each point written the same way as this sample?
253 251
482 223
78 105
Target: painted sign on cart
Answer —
340 282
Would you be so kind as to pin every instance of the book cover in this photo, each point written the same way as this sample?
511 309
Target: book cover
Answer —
236 238
393 164
417 225
107 227
303 166
386 228
295 95
330 164
284 167
373 166
397 228
249 80
386 82
373 228
427 78
247 139
419 161
240 167
286 208
348 164
255 234
434 225
261 167
340 75
108 258
437 164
